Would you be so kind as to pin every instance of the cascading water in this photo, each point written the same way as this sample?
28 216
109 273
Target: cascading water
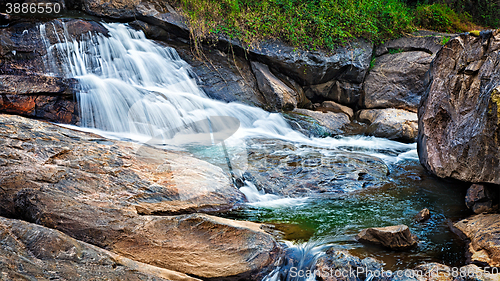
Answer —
134 88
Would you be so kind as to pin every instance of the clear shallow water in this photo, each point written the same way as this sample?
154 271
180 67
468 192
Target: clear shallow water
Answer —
135 89
338 220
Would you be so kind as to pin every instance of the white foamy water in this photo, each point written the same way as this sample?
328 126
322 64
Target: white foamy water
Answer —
133 88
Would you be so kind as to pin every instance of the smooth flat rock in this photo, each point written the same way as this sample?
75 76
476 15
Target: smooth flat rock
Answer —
483 233
33 252
107 193
279 167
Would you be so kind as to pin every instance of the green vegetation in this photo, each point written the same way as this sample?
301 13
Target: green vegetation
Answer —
395 51
440 17
314 24
445 40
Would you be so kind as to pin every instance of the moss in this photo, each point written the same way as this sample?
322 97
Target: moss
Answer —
495 97
475 33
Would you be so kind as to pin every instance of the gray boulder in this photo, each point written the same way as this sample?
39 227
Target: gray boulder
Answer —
390 123
278 94
343 92
459 132
396 81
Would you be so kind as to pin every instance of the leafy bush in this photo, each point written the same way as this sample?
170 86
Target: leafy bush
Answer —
440 17
310 24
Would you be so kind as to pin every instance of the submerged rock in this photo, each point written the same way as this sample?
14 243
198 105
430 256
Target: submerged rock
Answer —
32 252
483 235
342 266
279 167
396 237
481 198
390 123
106 192
459 118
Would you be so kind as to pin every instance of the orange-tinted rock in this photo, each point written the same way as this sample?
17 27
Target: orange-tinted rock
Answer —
103 192
393 237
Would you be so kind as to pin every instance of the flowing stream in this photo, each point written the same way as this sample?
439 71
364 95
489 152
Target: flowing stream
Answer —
135 89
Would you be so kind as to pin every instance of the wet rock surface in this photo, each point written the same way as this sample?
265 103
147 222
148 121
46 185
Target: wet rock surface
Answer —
459 117
26 87
423 215
396 237
482 198
344 264
333 122
395 124
281 168
276 92
104 193
483 236
33 252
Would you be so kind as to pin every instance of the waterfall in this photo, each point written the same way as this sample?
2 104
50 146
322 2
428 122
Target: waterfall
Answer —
135 88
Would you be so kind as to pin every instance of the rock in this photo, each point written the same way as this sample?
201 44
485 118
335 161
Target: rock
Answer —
458 117
109 193
334 122
26 88
396 237
328 106
481 198
422 40
279 167
339 91
423 215
472 272
345 63
483 234
224 76
276 92
396 81
341 264
390 123
33 252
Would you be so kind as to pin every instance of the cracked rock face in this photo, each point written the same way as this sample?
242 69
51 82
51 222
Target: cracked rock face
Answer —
459 114
110 193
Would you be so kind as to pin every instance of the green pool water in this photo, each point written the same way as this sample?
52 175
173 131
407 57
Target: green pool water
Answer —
338 220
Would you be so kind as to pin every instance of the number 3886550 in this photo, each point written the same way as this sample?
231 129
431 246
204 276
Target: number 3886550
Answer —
33 8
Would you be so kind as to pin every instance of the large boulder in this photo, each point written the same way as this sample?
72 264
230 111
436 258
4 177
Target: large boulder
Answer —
343 92
483 235
279 167
397 77
345 63
396 81
395 124
459 116
108 193
394 237
278 94
33 252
